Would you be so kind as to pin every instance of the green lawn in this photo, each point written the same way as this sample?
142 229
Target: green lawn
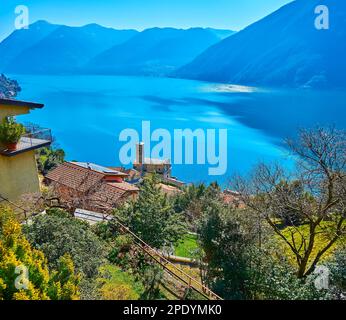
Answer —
320 241
116 284
187 246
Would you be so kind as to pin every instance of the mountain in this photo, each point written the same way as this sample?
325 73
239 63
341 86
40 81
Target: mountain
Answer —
21 40
283 49
156 51
221 33
8 88
63 50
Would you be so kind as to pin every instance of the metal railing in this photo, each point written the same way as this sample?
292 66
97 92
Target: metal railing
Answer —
169 267
158 257
31 139
34 137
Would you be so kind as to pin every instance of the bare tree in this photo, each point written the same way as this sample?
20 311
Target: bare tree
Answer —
313 194
88 194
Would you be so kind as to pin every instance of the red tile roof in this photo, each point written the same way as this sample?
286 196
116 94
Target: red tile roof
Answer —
232 197
123 186
107 194
133 174
170 190
83 179
75 177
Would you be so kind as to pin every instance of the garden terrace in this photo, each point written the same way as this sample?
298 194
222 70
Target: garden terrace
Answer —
30 140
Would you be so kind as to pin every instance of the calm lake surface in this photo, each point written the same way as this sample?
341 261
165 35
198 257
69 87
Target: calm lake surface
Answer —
87 113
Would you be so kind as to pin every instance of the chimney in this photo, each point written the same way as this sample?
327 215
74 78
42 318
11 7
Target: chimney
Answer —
140 153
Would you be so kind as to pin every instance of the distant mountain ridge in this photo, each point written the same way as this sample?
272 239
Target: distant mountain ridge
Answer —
45 48
62 49
21 40
283 49
156 51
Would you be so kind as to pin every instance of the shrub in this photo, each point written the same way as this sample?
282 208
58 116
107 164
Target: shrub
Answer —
337 268
41 284
10 131
152 216
57 233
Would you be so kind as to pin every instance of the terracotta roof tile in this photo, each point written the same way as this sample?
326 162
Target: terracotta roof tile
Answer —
86 180
75 177
124 186
170 190
107 194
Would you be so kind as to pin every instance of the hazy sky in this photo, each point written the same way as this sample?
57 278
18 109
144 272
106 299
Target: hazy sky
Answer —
141 14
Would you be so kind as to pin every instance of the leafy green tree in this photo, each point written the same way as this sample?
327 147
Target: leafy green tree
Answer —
194 198
121 252
38 284
272 277
152 217
189 194
151 276
57 233
240 265
226 251
48 158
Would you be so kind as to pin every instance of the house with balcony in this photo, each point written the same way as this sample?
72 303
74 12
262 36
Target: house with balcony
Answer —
18 169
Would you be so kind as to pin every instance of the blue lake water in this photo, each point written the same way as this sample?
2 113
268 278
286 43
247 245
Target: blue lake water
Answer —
87 113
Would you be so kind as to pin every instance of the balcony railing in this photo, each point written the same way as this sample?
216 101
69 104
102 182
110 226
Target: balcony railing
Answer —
32 139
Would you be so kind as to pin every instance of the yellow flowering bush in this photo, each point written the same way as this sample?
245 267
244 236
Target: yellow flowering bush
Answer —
24 273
